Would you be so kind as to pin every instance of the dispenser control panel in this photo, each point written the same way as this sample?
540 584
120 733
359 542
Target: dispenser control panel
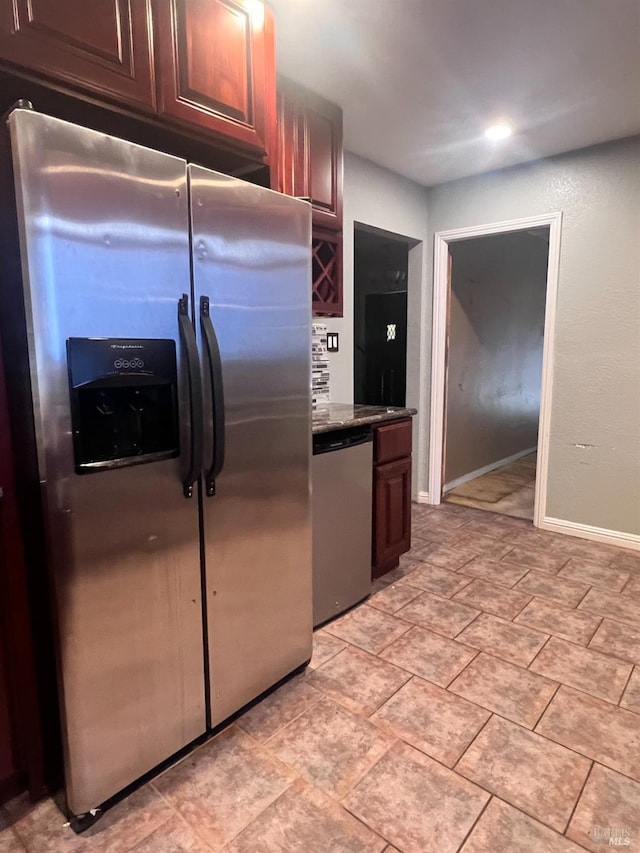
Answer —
124 401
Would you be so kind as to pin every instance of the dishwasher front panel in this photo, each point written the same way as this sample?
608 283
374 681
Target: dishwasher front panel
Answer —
342 507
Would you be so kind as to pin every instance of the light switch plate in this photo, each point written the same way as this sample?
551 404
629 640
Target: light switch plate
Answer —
332 342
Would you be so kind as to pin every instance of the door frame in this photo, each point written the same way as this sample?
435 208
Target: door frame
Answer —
441 287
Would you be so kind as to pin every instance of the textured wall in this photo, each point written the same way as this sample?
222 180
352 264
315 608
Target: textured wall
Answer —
496 325
594 464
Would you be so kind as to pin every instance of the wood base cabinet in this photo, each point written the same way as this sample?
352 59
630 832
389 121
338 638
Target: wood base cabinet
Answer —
392 495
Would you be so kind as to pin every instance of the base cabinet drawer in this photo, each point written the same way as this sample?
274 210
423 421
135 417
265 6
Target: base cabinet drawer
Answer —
392 442
392 513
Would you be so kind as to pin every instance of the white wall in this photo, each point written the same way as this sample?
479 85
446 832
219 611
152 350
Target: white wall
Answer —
377 197
594 463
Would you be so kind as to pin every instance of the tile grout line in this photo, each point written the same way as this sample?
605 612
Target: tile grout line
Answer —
168 803
424 678
384 702
520 808
259 815
20 839
542 735
580 690
439 761
358 779
458 674
263 743
462 630
583 597
624 689
476 821
333 655
531 597
410 625
582 754
541 714
578 798
543 646
599 625
635 627
454 767
588 648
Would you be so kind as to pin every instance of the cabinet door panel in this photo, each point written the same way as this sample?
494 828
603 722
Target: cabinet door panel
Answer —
322 156
291 148
99 34
392 511
214 48
107 51
310 155
211 62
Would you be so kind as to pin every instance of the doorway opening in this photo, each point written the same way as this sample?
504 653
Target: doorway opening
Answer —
381 268
494 307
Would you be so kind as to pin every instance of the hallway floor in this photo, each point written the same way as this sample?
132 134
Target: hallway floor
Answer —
509 490
486 698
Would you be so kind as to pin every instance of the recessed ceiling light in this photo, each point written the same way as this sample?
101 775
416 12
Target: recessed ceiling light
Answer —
498 131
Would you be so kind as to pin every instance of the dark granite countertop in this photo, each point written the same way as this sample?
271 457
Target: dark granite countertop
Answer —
343 415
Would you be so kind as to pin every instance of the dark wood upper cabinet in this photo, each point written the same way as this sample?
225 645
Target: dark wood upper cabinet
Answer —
213 60
309 165
310 151
103 46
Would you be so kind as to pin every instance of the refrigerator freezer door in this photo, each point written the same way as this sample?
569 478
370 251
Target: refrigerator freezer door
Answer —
251 258
105 249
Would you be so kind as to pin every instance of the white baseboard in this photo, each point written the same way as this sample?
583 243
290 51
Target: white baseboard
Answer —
487 468
596 534
423 498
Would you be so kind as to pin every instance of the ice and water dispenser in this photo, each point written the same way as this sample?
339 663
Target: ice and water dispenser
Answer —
124 401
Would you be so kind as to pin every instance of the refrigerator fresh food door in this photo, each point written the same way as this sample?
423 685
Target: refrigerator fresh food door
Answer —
105 253
252 277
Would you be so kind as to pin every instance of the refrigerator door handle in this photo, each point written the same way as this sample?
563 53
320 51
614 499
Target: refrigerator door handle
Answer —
188 339
217 395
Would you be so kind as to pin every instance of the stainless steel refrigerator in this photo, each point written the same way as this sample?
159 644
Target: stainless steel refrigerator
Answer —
168 325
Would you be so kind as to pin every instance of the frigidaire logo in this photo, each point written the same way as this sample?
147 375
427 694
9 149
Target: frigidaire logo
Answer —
126 346
121 363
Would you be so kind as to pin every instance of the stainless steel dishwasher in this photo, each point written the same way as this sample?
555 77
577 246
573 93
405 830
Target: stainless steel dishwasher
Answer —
342 476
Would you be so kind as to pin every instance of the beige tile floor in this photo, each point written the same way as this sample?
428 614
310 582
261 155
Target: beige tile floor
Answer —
486 698
509 490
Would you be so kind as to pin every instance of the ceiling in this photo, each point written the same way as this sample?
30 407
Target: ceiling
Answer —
420 80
